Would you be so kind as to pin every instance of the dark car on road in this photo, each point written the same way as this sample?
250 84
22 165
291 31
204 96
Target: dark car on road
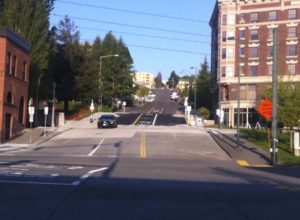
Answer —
107 121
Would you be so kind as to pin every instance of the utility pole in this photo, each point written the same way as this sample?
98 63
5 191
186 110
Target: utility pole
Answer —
53 106
274 101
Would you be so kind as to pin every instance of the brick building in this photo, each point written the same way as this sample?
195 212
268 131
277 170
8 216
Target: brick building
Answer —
243 43
14 77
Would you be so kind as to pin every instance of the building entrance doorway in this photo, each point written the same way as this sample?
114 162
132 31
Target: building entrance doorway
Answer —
8 126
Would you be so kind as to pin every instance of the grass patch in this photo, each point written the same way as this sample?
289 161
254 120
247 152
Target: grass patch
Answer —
260 138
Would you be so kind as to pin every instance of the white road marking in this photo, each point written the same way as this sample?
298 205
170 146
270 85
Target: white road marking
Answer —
154 121
94 150
87 175
37 183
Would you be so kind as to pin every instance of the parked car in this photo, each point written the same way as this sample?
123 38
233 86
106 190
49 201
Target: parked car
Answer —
107 121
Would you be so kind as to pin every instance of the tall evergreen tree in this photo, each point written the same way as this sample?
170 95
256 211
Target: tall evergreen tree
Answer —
173 80
116 71
30 19
158 81
203 87
68 60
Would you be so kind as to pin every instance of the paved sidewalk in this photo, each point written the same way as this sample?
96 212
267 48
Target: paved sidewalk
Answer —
34 136
248 154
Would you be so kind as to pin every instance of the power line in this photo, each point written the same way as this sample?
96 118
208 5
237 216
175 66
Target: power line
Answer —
133 26
159 48
146 35
133 12
167 49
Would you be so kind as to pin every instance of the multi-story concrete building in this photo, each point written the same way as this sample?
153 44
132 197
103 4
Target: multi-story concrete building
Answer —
243 45
145 79
14 78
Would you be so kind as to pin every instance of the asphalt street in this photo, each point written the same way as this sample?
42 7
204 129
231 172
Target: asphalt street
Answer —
141 171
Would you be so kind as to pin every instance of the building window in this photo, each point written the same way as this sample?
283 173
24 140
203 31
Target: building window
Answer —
230 53
223 71
242 34
224 20
224 36
230 35
272 16
21 110
242 18
243 92
231 19
24 71
253 17
14 65
8 62
253 70
253 52
270 70
242 51
291 69
229 72
292 50
251 92
292 14
253 35
271 52
292 32
271 34
223 53
9 98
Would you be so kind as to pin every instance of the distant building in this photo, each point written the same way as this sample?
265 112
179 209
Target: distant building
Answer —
144 78
14 78
242 44
183 84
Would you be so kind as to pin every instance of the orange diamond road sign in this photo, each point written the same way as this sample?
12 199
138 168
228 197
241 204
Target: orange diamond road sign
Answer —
265 109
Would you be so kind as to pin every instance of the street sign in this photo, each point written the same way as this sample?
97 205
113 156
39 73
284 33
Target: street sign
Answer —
124 103
92 107
189 108
265 109
46 110
31 110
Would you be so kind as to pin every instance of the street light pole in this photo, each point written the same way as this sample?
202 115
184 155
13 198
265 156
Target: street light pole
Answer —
53 106
195 92
100 79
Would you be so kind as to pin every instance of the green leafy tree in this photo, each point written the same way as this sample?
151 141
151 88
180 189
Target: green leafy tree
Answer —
158 81
142 91
30 19
204 112
116 71
87 81
68 60
203 87
173 80
288 102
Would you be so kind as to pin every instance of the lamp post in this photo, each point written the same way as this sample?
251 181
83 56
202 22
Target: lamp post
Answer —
53 106
195 92
100 78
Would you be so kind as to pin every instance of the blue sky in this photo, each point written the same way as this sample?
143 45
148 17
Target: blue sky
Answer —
180 43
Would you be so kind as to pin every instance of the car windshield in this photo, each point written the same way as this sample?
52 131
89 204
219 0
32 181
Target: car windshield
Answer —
107 117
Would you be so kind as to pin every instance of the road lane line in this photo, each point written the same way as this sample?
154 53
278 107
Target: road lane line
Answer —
162 110
143 153
150 110
154 121
87 175
94 150
137 119
243 163
36 183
